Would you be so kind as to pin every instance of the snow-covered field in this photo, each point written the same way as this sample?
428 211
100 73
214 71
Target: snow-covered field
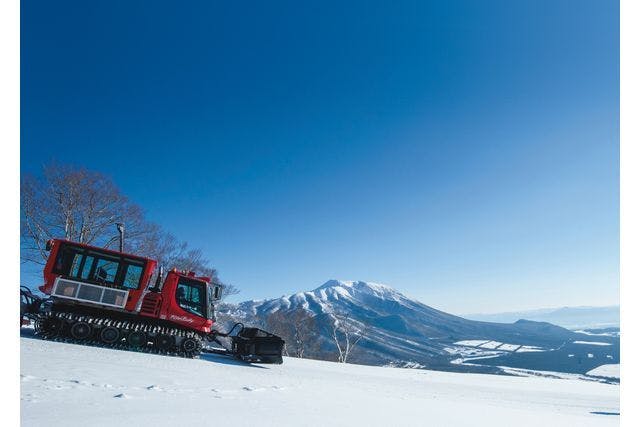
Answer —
70 385
591 343
601 334
607 371
503 347
529 348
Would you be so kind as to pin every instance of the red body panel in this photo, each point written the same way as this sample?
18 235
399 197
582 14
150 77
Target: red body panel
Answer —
171 311
161 305
134 294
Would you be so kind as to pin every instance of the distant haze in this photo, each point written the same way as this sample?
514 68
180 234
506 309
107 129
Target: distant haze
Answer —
568 317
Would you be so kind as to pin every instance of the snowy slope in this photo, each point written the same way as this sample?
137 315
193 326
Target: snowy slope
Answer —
71 385
607 371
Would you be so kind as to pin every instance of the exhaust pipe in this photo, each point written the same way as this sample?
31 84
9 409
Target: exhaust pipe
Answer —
120 226
159 278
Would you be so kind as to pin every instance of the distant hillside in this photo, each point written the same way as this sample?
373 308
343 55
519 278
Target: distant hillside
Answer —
567 317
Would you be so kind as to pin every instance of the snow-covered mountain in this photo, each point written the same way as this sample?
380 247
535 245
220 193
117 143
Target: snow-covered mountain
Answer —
402 330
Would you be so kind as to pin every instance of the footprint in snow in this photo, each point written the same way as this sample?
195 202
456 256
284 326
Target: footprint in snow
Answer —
154 387
102 385
122 396
217 396
273 387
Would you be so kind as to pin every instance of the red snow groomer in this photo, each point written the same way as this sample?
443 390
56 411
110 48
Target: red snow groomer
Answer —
103 297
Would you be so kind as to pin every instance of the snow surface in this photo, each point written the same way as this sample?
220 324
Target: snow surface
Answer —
529 348
607 371
509 347
71 385
491 344
472 343
591 343
503 348
601 334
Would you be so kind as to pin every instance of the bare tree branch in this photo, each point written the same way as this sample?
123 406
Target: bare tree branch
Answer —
299 330
346 334
84 206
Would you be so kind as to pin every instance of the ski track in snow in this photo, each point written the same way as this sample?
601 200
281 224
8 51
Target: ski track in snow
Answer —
71 385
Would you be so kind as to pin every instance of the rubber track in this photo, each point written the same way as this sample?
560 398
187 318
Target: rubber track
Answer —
125 327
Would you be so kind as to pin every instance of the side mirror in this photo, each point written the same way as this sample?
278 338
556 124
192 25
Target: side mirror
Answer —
49 245
217 292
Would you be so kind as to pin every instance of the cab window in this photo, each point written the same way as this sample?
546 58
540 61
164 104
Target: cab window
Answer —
106 270
69 261
75 264
132 276
191 297
96 267
86 268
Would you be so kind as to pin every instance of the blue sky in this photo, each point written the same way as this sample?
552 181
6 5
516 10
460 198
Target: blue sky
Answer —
463 152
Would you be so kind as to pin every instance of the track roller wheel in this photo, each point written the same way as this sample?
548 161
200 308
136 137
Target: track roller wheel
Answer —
109 335
191 346
137 339
49 327
81 330
165 342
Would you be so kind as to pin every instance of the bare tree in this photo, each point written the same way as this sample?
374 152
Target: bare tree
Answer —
298 328
84 206
172 253
346 333
74 204
228 290
276 323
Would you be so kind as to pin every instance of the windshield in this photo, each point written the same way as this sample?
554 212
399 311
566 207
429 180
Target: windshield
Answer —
191 297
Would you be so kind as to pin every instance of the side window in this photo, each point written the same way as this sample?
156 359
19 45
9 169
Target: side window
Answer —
106 270
68 261
75 265
190 297
132 276
95 266
86 268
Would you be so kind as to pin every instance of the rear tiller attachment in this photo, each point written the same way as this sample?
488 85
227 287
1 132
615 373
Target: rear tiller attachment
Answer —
251 345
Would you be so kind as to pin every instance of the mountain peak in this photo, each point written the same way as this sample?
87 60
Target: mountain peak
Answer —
356 284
